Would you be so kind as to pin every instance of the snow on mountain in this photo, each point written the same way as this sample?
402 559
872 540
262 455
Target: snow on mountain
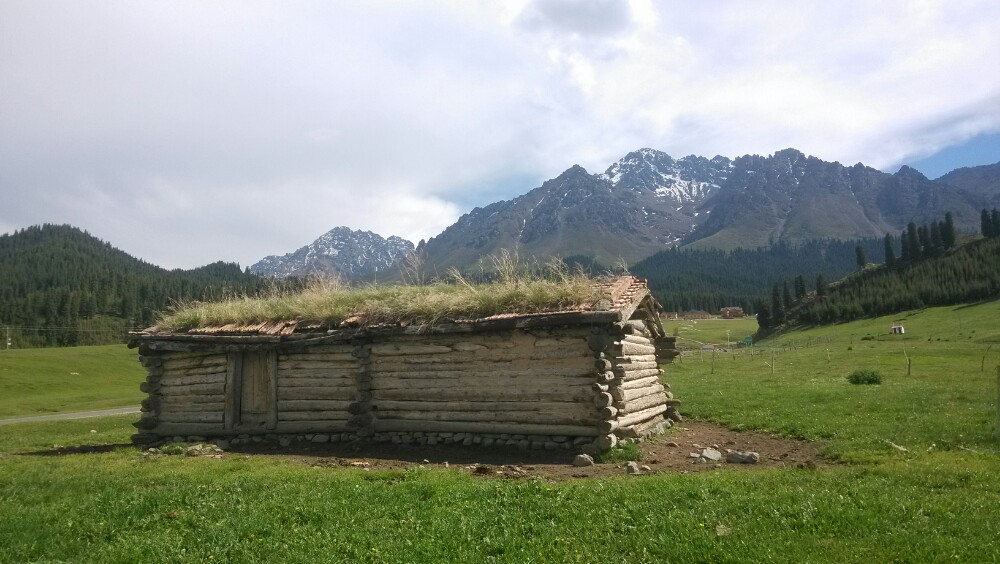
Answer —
688 181
339 252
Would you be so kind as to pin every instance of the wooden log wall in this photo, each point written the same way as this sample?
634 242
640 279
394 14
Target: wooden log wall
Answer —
530 382
317 388
187 393
629 392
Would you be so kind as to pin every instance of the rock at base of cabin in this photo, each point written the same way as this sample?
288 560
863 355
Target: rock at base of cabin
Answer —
632 468
706 455
743 457
711 454
221 443
321 438
583 460
673 414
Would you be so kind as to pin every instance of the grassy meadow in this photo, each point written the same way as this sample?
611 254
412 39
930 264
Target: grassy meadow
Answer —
944 397
939 500
57 380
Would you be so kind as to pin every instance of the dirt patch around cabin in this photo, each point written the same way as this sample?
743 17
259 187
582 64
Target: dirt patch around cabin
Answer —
669 453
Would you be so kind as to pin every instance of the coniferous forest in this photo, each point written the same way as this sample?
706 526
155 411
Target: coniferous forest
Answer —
684 280
930 270
61 286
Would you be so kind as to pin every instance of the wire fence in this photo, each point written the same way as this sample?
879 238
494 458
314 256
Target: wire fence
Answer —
86 332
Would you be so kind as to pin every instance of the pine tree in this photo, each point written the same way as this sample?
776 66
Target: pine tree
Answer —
786 296
800 287
890 254
925 241
763 315
904 251
912 242
995 222
936 243
986 223
861 259
777 309
820 286
948 232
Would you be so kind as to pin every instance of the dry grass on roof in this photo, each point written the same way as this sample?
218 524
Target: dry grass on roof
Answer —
330 303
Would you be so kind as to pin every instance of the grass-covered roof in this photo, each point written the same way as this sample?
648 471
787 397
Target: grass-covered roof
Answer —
330 304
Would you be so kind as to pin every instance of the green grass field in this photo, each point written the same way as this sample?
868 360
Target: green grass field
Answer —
693 333
948 400
938 501
45 381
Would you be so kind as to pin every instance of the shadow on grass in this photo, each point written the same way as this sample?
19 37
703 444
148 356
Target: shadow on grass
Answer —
78 449
414 453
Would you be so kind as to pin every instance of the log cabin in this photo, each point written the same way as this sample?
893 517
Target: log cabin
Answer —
580 379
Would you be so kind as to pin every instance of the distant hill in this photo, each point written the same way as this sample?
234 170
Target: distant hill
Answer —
982 180
968 273
61 286
339 252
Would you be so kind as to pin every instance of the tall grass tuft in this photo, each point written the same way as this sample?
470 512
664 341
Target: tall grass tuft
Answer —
331 302
865 376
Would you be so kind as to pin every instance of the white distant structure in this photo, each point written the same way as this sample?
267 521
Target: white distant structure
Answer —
897 330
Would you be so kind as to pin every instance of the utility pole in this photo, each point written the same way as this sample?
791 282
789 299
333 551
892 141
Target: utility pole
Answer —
7 327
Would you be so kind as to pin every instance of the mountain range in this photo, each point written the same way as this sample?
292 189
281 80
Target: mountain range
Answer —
648 201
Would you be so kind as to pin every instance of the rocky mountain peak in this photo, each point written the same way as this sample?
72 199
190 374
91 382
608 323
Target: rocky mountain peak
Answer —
341 251
909 172
575 171
687 182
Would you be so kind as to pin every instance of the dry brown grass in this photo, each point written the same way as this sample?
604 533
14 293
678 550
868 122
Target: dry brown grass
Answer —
330 302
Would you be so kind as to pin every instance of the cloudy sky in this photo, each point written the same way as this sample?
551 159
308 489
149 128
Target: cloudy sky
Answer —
189 132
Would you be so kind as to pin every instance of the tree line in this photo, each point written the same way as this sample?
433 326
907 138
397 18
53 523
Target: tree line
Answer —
989 222
684 280
61 286
932 269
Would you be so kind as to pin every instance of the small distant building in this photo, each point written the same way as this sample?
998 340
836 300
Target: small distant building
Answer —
732 312
697 314
671 315
897 330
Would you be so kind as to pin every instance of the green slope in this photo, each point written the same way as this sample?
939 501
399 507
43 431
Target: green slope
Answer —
61 286
59 380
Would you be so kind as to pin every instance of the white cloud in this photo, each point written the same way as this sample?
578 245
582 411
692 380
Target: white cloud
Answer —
187 132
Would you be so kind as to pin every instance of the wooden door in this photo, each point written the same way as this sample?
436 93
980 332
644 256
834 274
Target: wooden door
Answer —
250 396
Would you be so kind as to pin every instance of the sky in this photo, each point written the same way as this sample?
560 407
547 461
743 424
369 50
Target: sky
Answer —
187 132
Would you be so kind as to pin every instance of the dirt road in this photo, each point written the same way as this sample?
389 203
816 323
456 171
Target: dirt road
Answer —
77 415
